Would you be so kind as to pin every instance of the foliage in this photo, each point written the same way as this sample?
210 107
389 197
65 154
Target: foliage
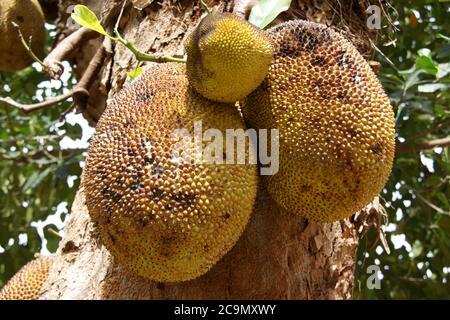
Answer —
417 194
33 169
265 11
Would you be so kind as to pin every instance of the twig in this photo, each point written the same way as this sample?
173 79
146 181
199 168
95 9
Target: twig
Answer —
90 74
54 232
25 44
444 142
27 108
30 157
79 94
52 63
205 6
433 206
141 56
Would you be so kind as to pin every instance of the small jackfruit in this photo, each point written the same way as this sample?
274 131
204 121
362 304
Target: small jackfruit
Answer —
30 18
162 217
335 122
26 284
227 57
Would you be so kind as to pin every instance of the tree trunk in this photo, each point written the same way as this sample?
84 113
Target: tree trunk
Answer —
279 256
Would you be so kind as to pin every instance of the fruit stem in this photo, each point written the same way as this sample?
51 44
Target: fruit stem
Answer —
26 46
140 56
205 6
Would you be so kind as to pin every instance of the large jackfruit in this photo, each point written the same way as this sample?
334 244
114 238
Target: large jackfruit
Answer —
26 284
335 122
227 57
161 217
30 18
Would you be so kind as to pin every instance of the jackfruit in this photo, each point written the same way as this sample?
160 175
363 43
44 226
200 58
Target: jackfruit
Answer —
30 18
162 217
227 57
26 284
336 124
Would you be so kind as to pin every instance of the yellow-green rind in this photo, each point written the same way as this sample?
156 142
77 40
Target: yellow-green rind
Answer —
30 18
337 136
227 57
161 218
26 284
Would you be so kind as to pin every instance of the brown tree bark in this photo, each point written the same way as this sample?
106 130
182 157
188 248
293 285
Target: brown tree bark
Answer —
280 255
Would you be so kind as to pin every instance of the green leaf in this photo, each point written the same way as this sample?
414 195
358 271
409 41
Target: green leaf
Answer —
440 35
413 79
444 69
86 18
35 179
135 73
425 62
432 87
265 11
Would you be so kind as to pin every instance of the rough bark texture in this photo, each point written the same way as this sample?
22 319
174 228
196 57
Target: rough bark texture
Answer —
280 256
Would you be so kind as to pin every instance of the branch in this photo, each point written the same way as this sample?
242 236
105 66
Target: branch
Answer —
26 45
90 74
27 108
402 149
52 63
79 94
32 156
205 6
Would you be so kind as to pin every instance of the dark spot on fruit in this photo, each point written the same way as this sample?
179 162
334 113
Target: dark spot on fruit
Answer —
341 95
317 84
226 216
106 192
131 152
308 38
376 149
354 77
149 159
156 194
286 51
157 170
100 170
20 19
128 123
318 61
145 96
137 182
143 221
305 188
184 199
352 133
116 196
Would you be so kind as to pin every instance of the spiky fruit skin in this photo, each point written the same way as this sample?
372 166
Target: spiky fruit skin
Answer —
30 18
26 284
162 218
227 57
336 123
